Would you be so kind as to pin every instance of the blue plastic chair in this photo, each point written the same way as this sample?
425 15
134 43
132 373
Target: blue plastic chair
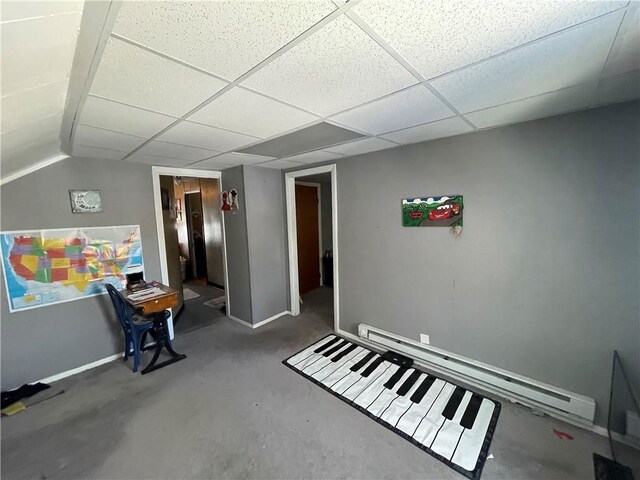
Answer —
135 329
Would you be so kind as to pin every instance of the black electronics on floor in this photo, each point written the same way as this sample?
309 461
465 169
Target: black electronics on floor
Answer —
451 423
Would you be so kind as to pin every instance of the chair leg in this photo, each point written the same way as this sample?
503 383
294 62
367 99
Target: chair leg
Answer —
127 347
137 350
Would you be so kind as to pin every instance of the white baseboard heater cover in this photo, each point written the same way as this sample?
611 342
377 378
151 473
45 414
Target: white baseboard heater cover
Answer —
548 398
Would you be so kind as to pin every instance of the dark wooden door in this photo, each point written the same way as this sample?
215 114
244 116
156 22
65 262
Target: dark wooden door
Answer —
308 238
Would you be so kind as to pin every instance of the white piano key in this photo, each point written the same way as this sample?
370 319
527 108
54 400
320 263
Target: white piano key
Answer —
353 377
387 396
345 367
376 388
357 388
401 404
448 436
466 454
433 420
332 366
322 362
410 420
308 351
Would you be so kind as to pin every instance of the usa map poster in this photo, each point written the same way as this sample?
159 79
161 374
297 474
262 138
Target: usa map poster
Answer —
44 267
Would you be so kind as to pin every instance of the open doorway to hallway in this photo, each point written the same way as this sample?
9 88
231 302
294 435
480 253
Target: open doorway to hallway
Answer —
314 245
194 248
312 242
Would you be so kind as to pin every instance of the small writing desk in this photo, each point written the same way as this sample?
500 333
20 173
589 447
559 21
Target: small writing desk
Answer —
155 300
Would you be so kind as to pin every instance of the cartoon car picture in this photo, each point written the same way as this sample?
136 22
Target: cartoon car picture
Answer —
444 211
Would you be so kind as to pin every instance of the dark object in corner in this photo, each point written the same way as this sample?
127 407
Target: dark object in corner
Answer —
606 469
25 391
395 357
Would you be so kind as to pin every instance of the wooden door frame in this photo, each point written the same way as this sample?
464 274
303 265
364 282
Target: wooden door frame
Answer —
292 237
318 188
156 172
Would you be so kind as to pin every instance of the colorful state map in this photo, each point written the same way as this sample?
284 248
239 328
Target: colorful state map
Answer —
52 266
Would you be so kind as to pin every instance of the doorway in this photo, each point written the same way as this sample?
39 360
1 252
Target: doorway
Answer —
191 243
312 235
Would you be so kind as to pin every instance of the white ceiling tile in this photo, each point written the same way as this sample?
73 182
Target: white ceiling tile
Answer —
156 160
32 133
19 9
569 58
336 68
172 150
202 136
28 106
315 156
37 52
225 38
439 36
247 112
234 158
94 152
619 88
625 54
281 164
29 155
548 104
364 145
137 77
98 112
209 165
430 131
413 106
97 137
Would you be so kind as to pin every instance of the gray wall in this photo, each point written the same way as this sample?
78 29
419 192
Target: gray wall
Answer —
237 243
544 279
267 241
44 341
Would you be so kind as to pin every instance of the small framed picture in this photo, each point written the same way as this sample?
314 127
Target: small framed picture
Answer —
85 201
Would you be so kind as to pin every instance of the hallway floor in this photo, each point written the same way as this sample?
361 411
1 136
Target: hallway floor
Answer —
232 410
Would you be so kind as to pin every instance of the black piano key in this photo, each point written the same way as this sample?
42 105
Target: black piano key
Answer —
346 351
408 383
375 364
395 378
470 414
454 401
422 389
342 344
363 362
326 345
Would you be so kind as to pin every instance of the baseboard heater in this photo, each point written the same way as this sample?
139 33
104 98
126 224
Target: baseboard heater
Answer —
555 401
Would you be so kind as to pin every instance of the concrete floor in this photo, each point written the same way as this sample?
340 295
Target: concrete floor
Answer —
232 410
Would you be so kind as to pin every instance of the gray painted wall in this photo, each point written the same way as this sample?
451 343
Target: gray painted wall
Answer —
236 240
44 341
266 229
544 279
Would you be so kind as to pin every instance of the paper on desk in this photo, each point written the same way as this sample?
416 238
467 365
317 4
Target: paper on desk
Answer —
146 293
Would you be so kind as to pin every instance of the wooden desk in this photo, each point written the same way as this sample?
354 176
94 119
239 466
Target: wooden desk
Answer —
155 305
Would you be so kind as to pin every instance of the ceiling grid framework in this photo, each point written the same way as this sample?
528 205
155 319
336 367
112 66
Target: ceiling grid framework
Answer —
364 66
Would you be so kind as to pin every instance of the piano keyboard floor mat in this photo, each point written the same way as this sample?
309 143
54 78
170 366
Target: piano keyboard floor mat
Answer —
451 423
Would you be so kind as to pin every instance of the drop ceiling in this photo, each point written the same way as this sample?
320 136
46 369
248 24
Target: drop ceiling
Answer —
205 84
38 46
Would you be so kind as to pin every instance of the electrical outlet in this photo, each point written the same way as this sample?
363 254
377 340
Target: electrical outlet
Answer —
424 338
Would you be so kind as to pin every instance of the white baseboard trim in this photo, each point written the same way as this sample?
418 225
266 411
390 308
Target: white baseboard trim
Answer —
593 428
261 323
618 437
241 322
74 371
271 319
